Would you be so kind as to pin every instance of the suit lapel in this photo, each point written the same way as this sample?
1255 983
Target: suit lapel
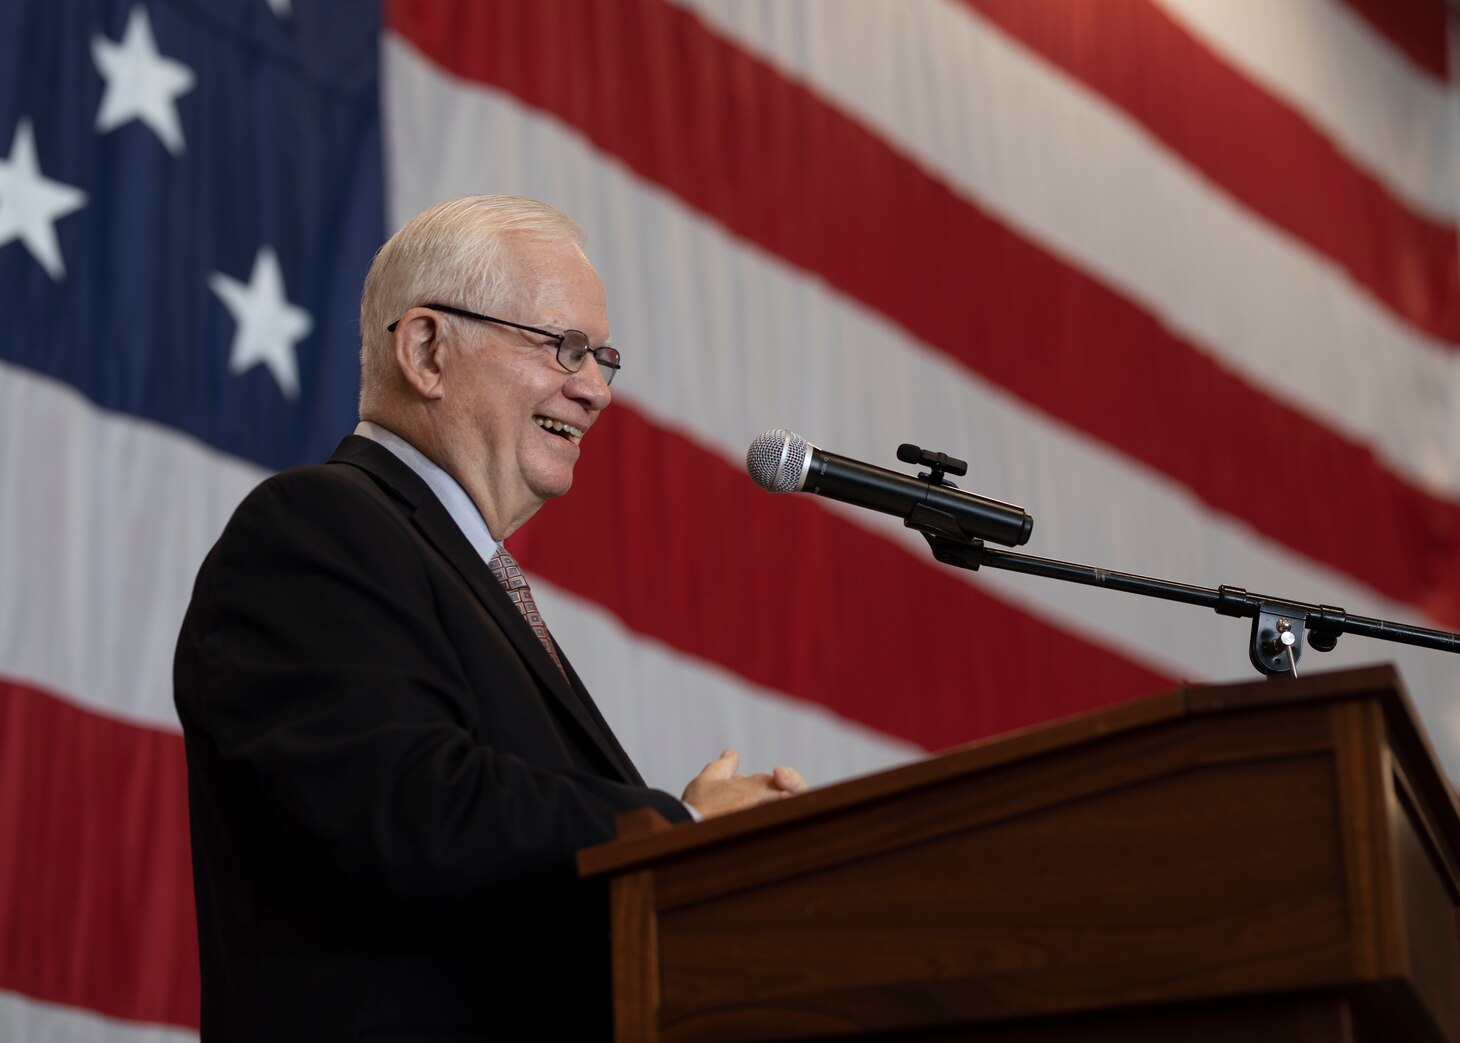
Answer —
438 528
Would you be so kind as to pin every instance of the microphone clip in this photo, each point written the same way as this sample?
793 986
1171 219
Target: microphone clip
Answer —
938 464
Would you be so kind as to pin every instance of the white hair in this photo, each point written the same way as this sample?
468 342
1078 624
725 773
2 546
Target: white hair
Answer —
458 252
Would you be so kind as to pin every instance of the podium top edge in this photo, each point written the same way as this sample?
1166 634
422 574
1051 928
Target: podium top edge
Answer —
1189 700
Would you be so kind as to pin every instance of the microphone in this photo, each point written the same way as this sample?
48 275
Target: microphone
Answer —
782 462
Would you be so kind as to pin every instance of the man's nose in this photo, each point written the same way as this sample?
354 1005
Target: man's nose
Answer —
588 385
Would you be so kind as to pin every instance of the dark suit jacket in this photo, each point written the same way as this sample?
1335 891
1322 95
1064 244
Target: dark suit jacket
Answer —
388 778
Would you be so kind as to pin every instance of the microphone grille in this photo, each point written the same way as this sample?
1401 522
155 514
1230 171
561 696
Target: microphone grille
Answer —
777 460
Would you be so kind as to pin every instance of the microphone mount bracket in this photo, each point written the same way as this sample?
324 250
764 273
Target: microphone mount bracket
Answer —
939 525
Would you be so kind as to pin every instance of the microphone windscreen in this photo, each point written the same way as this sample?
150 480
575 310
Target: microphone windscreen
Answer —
776 460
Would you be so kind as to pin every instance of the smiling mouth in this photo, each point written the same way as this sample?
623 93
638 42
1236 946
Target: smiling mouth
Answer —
557 427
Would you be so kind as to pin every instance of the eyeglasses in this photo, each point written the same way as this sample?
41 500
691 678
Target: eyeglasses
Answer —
572 344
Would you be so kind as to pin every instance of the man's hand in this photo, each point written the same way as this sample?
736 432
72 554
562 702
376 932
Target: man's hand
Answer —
718 790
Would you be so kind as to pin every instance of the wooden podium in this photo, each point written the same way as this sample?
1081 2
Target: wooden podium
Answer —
1269 861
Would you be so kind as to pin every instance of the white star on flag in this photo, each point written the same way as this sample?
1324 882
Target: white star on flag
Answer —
31 204
281 8
140 83
269 326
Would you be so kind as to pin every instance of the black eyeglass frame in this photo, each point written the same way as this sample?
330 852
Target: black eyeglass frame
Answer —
607 357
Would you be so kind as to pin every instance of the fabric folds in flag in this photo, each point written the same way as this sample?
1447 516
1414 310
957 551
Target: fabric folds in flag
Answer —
1182 278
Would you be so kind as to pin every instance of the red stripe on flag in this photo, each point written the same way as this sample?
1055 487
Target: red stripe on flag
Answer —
1250 143
96 891
784 170
1416 27
836 615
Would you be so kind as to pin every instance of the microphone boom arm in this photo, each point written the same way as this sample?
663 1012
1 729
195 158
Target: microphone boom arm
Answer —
1278 624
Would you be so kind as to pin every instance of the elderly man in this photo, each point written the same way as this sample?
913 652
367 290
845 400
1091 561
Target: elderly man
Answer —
391 763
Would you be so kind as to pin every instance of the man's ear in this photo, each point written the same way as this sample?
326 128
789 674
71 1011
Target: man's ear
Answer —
417 345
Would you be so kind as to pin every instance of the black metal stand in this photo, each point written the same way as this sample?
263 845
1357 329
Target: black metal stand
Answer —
1278 624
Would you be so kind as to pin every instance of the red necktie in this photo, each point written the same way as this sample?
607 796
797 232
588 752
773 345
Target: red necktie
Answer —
509 574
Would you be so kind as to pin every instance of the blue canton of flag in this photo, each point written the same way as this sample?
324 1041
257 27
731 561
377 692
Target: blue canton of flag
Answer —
190 194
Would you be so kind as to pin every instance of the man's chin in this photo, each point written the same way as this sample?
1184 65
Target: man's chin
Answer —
551 487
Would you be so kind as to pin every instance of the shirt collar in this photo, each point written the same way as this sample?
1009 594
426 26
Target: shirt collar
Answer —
452 496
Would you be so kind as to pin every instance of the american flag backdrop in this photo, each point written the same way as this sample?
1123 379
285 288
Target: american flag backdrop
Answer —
1178 276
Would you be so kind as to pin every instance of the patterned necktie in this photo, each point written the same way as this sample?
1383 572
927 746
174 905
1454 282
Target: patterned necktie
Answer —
508 573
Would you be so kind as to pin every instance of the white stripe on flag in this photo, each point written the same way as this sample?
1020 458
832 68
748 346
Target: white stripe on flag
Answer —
34 1021
1396 121
104 520
1073 173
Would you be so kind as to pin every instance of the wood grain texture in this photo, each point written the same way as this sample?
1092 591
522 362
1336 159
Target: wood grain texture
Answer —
1197 886
1429 914
636 967
1363 779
